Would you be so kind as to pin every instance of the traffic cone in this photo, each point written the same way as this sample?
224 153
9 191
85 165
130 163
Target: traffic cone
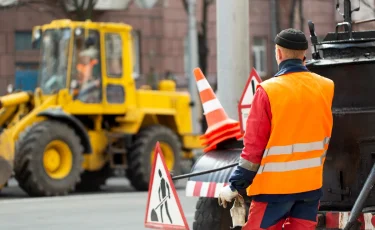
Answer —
213 137
220 126
234 134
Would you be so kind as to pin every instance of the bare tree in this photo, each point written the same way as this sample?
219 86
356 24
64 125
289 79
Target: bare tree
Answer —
203 50
293 13
80 10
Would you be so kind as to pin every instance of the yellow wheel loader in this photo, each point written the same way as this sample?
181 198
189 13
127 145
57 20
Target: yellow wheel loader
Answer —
86 116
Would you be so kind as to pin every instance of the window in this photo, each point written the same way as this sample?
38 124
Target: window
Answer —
26 76
136 55
86 67
259 55
115 94
23 41
113 49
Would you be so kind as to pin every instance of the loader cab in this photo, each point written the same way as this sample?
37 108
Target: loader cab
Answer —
93 61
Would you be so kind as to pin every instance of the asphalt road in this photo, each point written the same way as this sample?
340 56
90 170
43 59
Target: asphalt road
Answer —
117 207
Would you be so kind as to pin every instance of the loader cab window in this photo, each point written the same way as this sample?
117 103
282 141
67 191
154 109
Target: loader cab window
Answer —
54 60
86 68
115 94
113 53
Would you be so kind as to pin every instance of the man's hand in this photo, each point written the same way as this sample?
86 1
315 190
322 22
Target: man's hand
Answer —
227 195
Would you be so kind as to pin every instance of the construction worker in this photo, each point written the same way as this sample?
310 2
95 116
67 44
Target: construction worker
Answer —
88 83
286 138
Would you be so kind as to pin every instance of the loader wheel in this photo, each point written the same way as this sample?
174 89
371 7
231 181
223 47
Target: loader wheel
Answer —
48 160
92 180
141 154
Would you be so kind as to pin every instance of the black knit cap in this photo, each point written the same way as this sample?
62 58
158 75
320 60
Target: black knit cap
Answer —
292 39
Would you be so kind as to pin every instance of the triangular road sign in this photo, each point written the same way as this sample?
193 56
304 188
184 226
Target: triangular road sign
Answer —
247 97
163 209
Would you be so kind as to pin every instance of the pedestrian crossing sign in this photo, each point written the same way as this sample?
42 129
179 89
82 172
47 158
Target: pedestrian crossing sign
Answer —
163 210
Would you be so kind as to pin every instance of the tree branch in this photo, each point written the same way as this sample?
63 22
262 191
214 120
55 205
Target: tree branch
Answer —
64 7
292 13
31 5
79 10
83 10
41 10
185 4
22 3
90 9
83 3
301 18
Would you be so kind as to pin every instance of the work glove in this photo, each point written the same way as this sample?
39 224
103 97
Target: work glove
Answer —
227 194
241 179
238 212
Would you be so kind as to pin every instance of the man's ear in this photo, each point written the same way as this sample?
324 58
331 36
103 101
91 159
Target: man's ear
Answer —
279 54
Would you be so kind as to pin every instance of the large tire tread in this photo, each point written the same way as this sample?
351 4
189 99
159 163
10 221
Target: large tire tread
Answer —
209 215
140 150
26 166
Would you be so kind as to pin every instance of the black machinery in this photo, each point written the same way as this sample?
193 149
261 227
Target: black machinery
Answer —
348 58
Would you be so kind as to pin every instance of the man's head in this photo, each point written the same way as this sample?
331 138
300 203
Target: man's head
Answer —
87 55
160 173
290 44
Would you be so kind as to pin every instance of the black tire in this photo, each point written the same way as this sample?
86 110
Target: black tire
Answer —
92 180
209 215
139 165
28 166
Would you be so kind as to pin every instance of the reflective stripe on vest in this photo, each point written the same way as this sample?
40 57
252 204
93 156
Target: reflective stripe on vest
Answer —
300 147
301 128
292 165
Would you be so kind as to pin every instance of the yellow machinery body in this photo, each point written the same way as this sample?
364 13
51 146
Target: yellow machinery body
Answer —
116 124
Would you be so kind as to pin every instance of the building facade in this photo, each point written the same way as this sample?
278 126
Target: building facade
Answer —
161 34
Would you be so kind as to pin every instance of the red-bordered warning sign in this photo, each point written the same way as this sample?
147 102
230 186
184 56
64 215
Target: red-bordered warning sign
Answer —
163 209
247 97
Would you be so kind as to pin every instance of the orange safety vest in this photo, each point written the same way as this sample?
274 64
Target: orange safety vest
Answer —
301 128
86 69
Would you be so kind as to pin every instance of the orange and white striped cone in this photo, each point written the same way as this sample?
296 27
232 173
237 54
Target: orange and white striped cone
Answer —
220 126
234 134
233 130
216 117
